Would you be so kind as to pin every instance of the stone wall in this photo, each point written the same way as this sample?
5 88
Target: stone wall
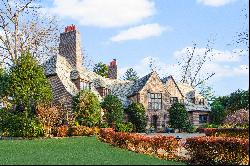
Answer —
155 85
194 117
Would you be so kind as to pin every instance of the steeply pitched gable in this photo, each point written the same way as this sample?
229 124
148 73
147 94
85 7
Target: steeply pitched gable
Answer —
172 87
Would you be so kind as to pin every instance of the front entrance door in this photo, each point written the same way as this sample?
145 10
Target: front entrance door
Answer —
154 121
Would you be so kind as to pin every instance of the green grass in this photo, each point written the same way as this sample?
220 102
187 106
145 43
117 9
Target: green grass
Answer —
71 151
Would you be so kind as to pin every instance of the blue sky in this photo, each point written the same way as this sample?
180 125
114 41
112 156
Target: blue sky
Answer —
134 31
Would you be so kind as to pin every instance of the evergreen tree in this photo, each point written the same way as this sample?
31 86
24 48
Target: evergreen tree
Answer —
178 116
114 112
137 116
28 85
101 69
130 75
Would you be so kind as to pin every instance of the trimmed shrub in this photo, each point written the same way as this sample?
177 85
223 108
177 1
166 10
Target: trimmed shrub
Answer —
113 110
178 116
124 127
190 128
137 116
87 107
19 125
227 132
83 131
141 143
218 150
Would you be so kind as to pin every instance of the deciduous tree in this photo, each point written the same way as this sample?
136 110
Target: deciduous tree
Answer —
192 64
25 27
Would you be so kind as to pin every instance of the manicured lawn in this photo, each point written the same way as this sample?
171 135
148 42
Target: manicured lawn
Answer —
80 151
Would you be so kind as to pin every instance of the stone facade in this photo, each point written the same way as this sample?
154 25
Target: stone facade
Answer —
68 77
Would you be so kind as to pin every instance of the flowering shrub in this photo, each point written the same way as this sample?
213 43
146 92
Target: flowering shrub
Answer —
160 146
83 131
218 150
239 119
227 132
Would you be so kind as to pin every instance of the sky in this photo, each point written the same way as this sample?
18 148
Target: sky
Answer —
136 32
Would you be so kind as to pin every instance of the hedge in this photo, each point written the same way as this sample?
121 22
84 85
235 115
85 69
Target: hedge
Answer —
227 132
83 131
218 150
160 146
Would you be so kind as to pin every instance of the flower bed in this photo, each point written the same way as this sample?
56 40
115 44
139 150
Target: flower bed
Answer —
160 146
227 132
218 150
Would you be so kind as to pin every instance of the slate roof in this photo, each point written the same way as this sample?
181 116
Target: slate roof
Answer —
58 65
189 93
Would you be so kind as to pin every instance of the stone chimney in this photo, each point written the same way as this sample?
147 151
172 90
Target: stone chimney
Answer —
70 46
112 73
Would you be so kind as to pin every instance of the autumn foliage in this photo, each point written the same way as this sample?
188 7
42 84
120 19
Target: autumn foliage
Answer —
83 131
160 146
218 150
227 132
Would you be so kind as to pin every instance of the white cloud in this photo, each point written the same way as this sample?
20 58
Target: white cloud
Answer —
223 71
223 64
217 55
165 69
215 3
104 13
140 32
162 68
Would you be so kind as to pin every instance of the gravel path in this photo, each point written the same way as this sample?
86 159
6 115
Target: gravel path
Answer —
182 135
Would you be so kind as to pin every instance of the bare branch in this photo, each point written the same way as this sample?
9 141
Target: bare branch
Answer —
200 82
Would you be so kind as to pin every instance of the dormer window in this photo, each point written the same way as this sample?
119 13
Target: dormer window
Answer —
182 101
84 85
173 100
202 102
103 91
193 100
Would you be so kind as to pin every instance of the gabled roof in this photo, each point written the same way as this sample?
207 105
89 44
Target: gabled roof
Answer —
138 85
166 79
58 65
189 91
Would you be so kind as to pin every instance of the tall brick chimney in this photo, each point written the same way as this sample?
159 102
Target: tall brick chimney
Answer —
70 46
112 73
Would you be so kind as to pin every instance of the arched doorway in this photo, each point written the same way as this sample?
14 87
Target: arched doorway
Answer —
154 121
